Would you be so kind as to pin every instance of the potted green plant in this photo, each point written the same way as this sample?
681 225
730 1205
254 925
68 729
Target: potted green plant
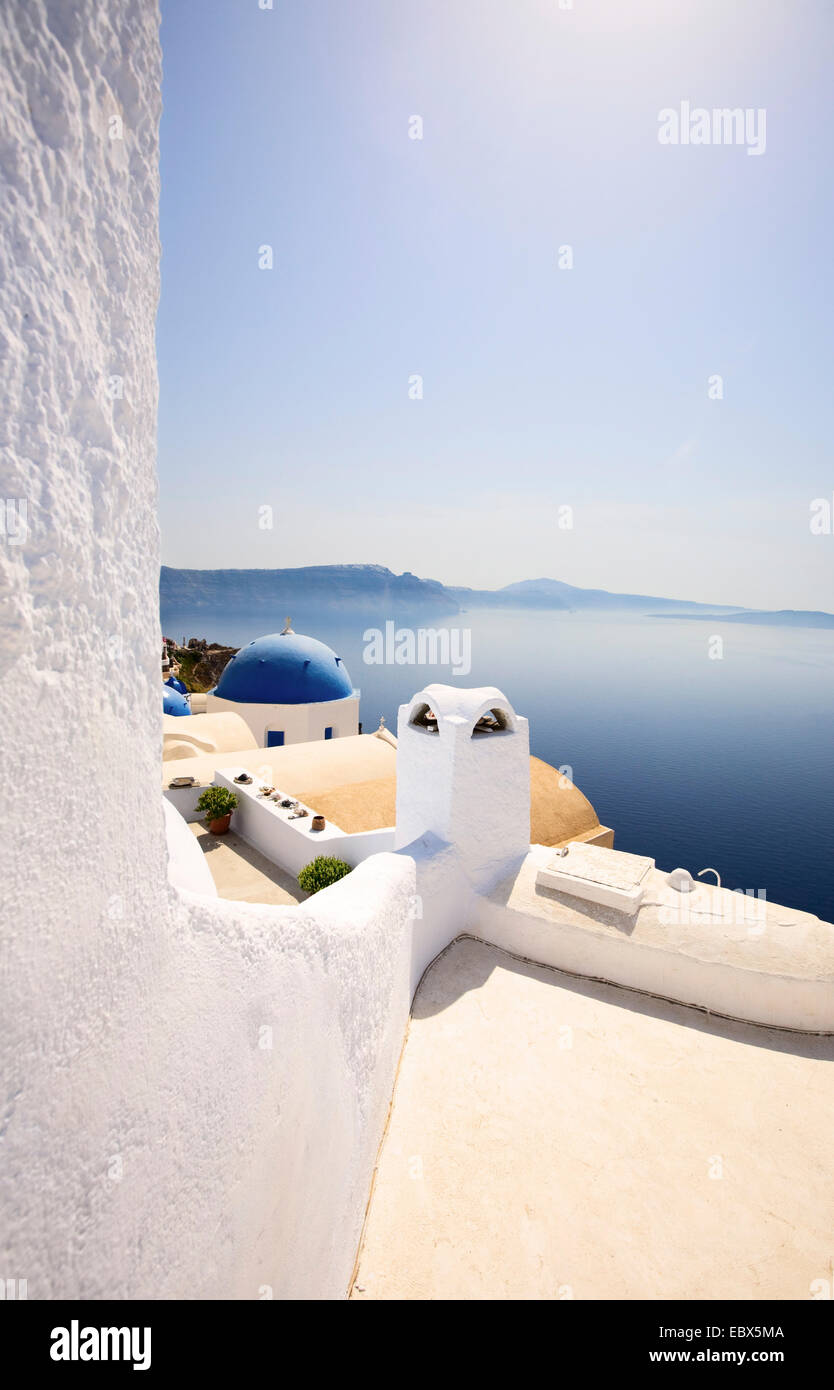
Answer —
323 871
217 804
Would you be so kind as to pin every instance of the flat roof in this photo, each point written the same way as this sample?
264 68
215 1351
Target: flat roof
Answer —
314 767
710 924
353 782
242 873
552 1138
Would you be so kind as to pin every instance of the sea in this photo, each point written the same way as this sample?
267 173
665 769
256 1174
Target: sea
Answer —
699 753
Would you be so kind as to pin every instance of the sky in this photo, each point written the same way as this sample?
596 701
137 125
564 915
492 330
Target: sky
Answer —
581 394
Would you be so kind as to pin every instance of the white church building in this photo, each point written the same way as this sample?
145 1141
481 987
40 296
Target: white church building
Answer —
289 688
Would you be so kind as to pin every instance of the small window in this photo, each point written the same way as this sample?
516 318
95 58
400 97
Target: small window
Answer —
328 733
275 738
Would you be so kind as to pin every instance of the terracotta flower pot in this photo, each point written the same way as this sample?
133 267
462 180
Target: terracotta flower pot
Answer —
317 823
219 827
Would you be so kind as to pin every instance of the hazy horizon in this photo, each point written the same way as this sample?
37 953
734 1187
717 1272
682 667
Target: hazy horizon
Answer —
648 593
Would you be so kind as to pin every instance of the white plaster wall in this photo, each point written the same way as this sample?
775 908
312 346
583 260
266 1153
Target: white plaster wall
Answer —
443 903
300 723
291 843
722 986
355 849
157 1140
187 865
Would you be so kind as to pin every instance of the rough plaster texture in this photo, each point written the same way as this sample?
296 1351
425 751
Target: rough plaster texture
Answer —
192 1092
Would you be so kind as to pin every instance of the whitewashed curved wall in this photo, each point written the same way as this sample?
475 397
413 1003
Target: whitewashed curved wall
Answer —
157 1138
188 866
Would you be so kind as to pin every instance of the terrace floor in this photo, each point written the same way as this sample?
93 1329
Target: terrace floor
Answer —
552 1138
242 873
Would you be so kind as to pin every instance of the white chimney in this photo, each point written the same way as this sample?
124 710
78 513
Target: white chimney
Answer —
463 773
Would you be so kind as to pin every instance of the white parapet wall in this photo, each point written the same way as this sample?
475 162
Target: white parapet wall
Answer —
714 949
291 842
187 865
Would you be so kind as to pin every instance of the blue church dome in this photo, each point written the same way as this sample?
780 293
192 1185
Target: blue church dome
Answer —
176 685
284 668
173 702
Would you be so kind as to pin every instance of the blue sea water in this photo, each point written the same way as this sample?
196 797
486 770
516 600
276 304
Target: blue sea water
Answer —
692 760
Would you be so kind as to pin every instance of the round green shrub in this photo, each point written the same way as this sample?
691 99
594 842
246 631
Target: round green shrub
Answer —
321 873
216 802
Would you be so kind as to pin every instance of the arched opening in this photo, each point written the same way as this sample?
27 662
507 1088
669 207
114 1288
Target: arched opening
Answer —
423 717
494 721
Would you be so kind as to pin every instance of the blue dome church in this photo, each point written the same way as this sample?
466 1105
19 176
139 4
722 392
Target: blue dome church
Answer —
173 702
289 689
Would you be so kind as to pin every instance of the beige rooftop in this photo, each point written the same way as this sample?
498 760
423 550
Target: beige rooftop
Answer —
352 780
189 736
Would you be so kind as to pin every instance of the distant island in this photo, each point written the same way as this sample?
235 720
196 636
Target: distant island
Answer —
554 594
352 588
371 589
782 617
